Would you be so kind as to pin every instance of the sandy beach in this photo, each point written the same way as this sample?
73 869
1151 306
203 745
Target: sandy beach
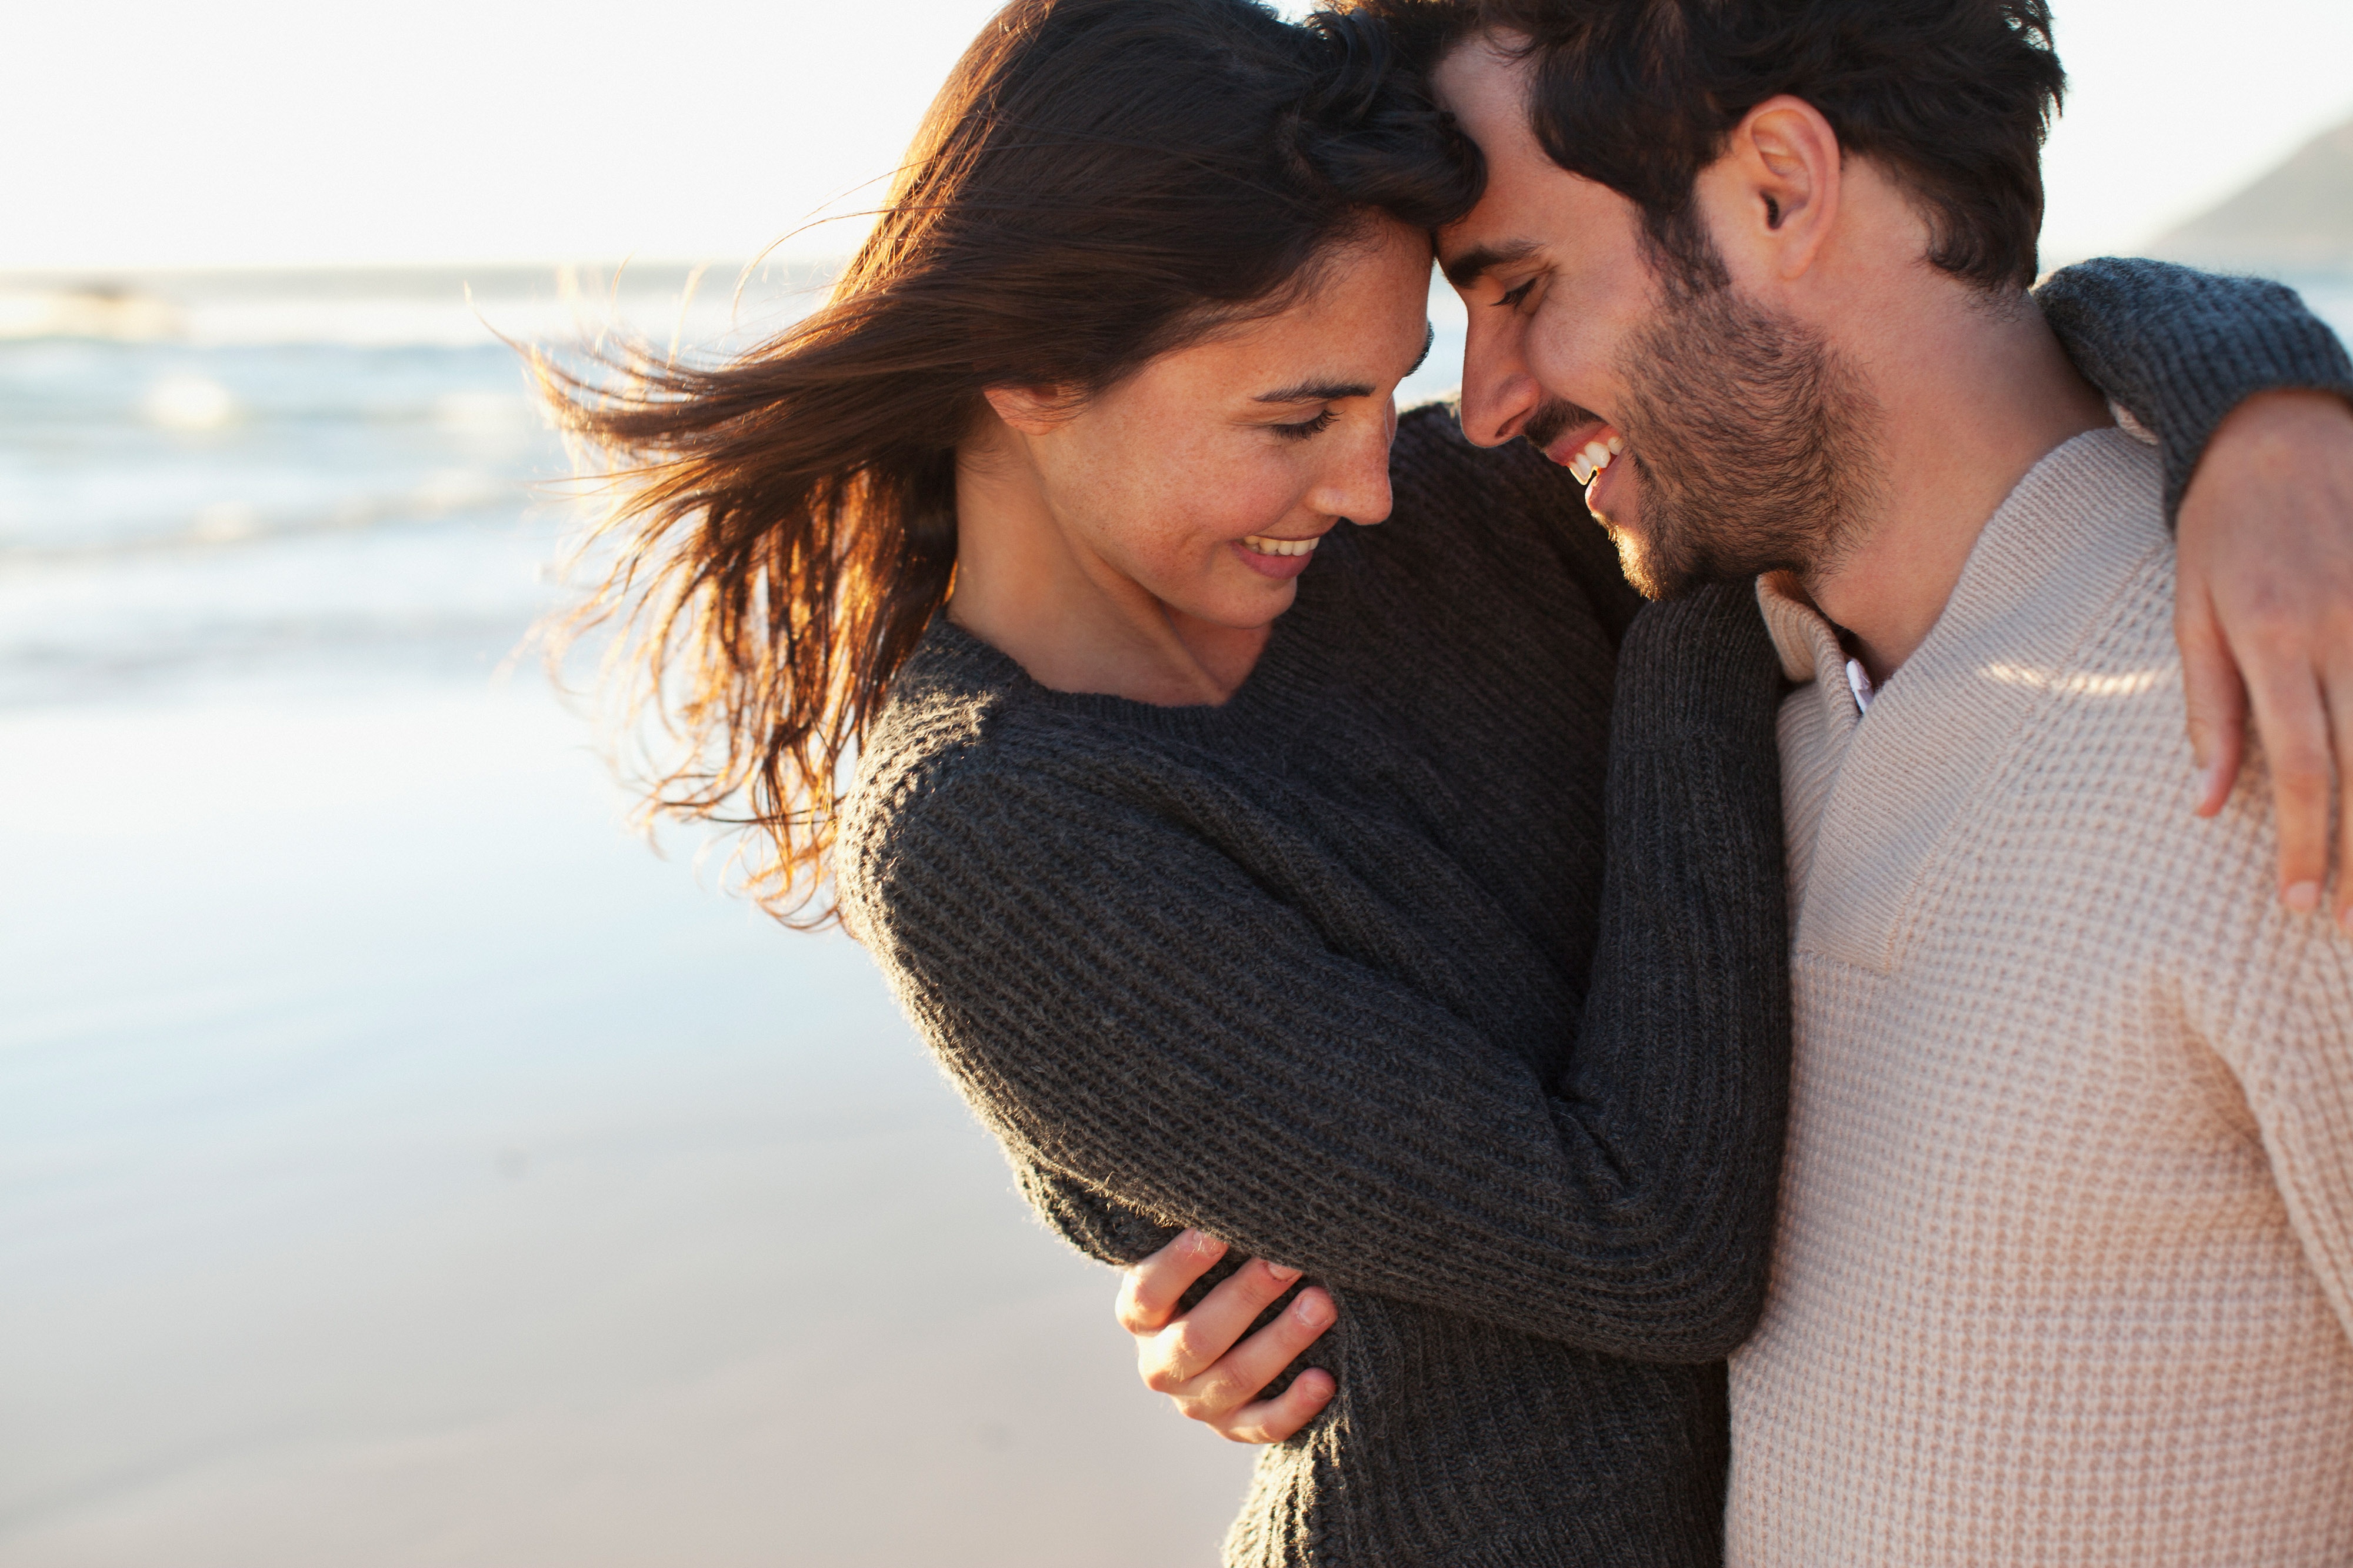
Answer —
404 1166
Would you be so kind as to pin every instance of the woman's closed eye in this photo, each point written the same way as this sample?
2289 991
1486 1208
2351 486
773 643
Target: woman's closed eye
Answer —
1302 429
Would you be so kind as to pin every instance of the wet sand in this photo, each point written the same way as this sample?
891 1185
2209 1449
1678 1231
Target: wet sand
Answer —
399 1165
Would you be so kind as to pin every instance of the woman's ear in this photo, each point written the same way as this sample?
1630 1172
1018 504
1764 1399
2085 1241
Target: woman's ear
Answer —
1031 410
1775 192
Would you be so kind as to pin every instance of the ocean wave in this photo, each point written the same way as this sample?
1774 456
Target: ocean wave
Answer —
63 674
716 308
440 498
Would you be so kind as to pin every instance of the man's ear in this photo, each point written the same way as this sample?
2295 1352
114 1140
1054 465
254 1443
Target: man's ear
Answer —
1773 196
1031 410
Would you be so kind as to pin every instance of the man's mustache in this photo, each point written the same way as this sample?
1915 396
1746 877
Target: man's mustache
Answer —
1554 415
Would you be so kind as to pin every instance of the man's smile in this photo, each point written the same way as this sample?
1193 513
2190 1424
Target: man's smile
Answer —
1585 447
1594 456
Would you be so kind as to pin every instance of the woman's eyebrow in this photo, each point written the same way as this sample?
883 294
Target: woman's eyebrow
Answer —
1317 391
1429 342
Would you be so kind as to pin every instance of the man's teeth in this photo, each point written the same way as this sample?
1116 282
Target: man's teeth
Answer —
1595 457
1263 545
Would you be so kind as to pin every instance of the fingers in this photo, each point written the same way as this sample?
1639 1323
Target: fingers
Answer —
1201 1358
1234 1380
2266 560
1193 1358
1272 1420
1190 1345
2216 698
1149 1291
2294 722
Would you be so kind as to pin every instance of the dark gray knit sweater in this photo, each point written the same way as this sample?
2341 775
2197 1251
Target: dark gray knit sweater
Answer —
1309 971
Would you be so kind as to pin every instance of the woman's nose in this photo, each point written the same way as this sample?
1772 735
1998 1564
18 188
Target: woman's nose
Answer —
1358 486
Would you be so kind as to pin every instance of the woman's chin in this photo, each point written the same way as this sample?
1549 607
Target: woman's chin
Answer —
1251 606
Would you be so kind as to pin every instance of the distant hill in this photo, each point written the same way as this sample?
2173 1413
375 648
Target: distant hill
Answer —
2297 218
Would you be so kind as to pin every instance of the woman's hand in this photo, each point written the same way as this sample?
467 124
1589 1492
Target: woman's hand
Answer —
1192 1357
2265 611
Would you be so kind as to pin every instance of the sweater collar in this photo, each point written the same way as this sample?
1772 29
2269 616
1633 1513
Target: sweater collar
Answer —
1812 654
2061 547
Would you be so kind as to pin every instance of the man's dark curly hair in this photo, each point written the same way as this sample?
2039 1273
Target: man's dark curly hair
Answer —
1954 97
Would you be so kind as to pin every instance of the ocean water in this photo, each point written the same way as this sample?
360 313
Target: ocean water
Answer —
272 471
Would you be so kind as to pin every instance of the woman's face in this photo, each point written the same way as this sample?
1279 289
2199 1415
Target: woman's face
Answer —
1207 476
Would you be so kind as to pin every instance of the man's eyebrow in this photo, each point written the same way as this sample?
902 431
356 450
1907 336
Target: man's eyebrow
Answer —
1317 391
1480 259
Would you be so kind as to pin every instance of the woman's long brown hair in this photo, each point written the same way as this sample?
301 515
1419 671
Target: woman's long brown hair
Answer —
1098 182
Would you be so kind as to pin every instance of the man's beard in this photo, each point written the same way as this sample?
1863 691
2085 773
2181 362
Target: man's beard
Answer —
1752 444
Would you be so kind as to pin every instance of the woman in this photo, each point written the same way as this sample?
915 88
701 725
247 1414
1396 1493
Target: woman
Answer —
1243 862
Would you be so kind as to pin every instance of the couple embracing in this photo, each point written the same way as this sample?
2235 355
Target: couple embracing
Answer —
1818 1068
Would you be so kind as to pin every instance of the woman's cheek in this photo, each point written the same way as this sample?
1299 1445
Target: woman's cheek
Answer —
1262 497
1172 550
1187 548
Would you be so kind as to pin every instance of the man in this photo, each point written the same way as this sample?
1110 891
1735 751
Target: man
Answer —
2064 1271
2066 1256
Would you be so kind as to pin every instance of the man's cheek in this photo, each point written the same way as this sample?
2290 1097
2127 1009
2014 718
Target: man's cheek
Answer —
1572 360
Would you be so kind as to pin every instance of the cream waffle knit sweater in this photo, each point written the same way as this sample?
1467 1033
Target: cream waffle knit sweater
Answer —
2064 1269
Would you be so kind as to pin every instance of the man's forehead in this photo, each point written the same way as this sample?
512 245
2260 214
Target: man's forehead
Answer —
1485 87
1481 66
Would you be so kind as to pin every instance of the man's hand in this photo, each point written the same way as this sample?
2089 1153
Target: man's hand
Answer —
2265 611
1192 1358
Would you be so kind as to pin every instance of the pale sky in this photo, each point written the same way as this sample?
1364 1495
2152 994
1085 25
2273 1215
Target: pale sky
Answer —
290 132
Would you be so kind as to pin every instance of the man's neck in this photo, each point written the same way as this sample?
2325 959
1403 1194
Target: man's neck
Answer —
1970 397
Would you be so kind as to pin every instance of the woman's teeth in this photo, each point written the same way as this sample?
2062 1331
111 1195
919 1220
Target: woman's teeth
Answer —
1263 545
1595 457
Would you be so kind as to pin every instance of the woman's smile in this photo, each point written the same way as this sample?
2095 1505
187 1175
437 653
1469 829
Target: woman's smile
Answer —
1273 557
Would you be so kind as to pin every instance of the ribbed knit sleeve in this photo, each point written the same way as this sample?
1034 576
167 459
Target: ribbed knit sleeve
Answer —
2178 349
1687 1013
1145 1020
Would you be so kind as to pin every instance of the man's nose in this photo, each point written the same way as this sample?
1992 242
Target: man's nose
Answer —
1498 392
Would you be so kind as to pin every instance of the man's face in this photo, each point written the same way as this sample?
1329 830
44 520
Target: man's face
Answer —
1726 437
